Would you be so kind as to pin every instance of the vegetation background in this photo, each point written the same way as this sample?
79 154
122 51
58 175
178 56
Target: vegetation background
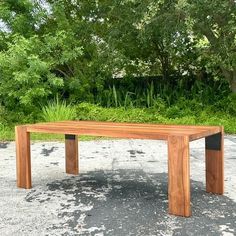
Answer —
157 61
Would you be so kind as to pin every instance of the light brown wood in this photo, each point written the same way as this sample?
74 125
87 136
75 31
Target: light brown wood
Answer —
215 163
71 152
179 176
123 130
23 162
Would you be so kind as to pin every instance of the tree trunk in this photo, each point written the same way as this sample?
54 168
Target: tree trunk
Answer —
163 56
165 67
233 84
230 76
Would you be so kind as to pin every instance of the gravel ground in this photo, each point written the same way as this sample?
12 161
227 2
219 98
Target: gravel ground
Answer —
121 190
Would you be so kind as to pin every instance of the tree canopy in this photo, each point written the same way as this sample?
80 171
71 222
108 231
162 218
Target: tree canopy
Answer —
72 47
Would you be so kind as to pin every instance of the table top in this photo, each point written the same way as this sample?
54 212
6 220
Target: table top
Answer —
124 130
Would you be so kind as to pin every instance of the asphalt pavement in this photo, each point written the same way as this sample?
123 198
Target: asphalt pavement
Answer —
121 190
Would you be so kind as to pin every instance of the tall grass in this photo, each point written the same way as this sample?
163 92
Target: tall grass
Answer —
57 110
6 132
139 98
123 94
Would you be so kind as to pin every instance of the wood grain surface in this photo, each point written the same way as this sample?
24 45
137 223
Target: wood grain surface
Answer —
124 130
71 153
179 176
23 160
215 163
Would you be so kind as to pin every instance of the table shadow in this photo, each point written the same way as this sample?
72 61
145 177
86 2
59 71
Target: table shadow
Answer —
132 202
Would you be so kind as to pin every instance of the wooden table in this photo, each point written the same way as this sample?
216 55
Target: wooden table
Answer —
177 136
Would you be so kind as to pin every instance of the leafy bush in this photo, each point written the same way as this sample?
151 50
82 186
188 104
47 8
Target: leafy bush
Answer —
171 115
183 112
30 68
57 110
6 132
227 104
3 115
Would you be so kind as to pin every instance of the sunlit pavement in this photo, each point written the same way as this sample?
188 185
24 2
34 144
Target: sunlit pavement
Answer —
121 190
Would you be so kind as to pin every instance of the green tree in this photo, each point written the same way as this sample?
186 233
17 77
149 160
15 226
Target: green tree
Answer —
153 38
23 16
214 24
62 41
86 74
72 47
26 77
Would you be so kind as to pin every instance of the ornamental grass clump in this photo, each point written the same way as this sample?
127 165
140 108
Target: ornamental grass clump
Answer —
57 110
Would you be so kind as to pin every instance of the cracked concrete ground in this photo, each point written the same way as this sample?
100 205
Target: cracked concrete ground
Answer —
121 190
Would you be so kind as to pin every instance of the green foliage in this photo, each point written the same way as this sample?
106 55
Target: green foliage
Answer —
73 48
3 115
196 114
213 26
26 77
227 105
151 95
23 16
6 133
57 110
183 112
176 37
55 53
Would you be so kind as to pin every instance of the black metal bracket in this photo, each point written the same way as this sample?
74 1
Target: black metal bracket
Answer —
213 142
70 136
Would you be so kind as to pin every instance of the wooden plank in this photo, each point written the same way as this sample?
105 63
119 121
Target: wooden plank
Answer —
23 159
105 133
125 124
115 128
214 154
71 152
103 125
179 176
121 126
120 130
202 134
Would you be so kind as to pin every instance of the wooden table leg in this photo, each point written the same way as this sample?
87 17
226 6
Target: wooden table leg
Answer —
215 163
71 151
23 162
179 176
